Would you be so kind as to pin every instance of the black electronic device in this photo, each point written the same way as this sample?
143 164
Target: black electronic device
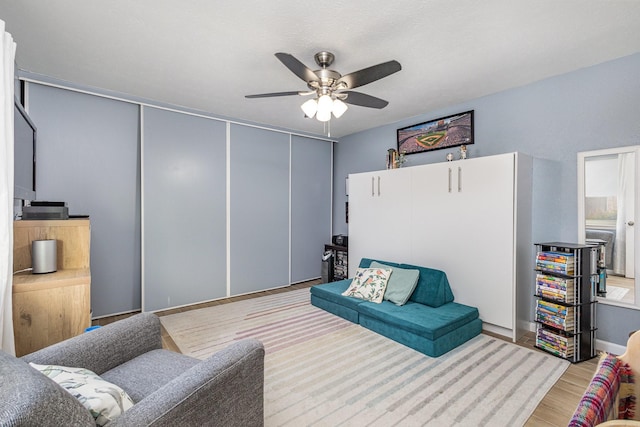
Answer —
46 210
45 203
340 240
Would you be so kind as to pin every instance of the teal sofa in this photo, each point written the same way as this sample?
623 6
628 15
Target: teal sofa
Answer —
429 322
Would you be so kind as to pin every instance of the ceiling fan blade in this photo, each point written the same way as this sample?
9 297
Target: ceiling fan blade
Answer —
269 95
364 100
370 74
297 67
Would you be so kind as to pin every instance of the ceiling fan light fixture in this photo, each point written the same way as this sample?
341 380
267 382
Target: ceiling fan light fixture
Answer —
310 107
325 106
332 89
339 108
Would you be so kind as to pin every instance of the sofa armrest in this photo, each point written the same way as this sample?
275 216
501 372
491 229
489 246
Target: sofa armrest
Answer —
227 388
598 402
104 348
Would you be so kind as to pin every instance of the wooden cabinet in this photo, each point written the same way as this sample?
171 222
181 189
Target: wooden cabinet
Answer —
48 308
469 218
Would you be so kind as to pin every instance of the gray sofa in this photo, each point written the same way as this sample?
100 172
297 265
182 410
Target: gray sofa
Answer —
167 388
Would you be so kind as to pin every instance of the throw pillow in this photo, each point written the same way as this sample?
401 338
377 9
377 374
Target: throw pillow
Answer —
401 284
369 284
104 400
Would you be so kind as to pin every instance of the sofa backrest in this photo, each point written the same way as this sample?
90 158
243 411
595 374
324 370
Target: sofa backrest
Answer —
433 286
30 398
366 263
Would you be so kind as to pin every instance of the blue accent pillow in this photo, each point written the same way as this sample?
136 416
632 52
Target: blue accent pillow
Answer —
401 284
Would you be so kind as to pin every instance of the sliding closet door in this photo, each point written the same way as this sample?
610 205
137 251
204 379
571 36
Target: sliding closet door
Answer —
87 156
310 205
184 209
259 210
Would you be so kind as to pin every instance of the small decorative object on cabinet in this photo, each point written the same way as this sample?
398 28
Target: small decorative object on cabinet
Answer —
392 154
49 308
463 152
566 280
340 262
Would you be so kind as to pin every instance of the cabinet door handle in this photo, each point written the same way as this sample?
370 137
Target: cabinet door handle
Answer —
459 179
378 186
631 223
372 183
449 180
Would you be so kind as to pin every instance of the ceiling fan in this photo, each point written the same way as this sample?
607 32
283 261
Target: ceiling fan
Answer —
331 89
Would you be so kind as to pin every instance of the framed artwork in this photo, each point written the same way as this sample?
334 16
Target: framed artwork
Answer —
445 132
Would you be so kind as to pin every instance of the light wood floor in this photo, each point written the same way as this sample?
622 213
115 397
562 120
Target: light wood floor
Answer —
556 407
624 283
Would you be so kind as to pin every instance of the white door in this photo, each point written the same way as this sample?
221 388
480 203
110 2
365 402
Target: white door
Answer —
435 216
629 212
379 216
486 271
465 213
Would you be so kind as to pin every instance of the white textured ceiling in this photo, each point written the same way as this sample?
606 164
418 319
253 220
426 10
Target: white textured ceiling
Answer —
206 55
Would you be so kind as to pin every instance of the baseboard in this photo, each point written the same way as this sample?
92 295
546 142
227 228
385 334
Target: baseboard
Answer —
610 347
499 330
122 313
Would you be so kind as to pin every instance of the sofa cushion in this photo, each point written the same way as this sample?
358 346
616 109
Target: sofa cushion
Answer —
104 400
401 284
421 319
146 373
369 284
30 398
334 308
333 292
433 287
433 348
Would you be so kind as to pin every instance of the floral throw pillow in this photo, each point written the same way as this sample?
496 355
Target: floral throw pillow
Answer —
369 284
104 400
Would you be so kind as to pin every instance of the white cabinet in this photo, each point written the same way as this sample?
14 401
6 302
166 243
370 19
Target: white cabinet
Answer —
468 218
382 215
466 228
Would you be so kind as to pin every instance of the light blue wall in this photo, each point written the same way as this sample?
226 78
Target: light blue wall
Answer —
87 156
551 120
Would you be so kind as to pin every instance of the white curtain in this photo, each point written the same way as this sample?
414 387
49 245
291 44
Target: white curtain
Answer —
7 56
620 246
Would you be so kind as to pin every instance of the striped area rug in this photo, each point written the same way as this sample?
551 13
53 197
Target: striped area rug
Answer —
321 370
